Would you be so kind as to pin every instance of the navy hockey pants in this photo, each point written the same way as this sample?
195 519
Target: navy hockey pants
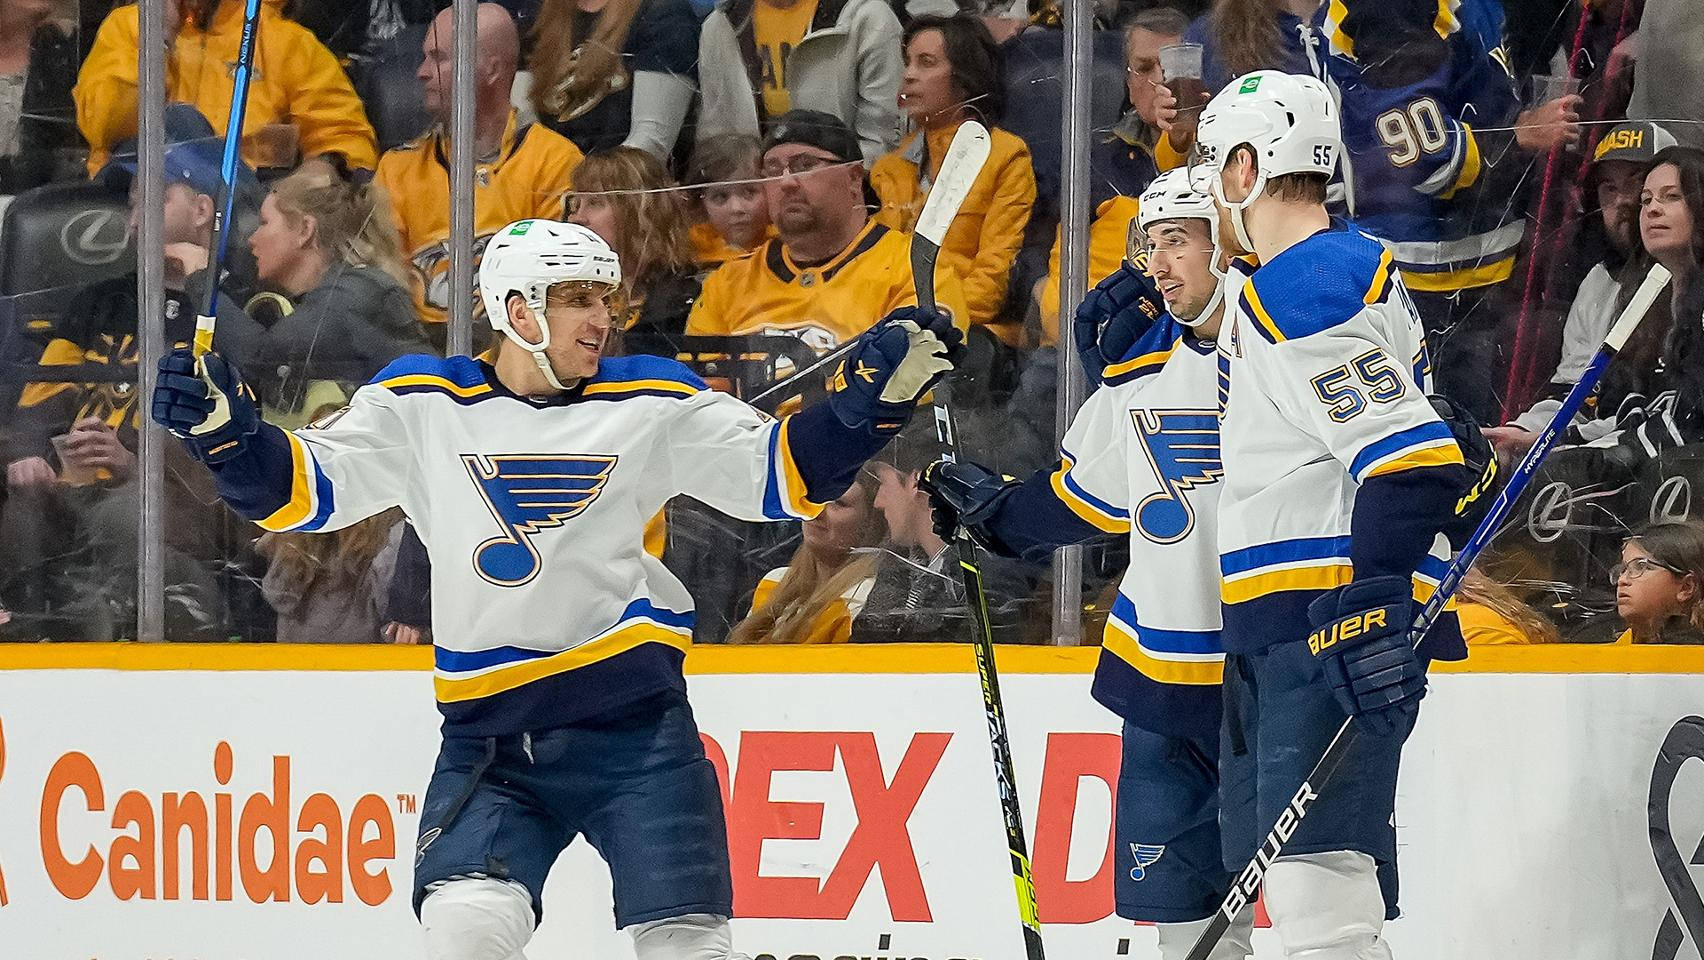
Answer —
1168 853
637 786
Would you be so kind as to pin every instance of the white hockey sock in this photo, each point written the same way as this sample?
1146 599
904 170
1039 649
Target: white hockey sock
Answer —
696 936
477 919
1327 906
1236 944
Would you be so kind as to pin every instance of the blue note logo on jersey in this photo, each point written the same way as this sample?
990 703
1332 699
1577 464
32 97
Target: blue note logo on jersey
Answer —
528 493
1183 450
1146 854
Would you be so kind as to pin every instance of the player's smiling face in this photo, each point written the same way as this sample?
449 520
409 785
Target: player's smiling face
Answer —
1180 257
578 314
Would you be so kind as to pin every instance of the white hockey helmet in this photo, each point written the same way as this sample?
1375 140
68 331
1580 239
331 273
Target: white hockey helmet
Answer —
1289 120
1171 196
528 257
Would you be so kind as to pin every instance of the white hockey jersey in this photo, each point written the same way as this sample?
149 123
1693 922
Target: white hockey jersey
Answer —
1323 375
546 608
1142 457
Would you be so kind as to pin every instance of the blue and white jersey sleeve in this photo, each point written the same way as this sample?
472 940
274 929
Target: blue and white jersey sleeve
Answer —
1344 360
1092 478
724 452
351 466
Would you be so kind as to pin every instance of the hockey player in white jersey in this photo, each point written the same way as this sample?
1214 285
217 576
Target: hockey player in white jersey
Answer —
1142 459
559 638
1339 477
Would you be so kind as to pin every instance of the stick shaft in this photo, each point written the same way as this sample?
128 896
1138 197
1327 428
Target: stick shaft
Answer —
228 167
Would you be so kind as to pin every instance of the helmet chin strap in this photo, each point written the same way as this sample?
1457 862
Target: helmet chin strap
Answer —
537 349
1218 296
1237 208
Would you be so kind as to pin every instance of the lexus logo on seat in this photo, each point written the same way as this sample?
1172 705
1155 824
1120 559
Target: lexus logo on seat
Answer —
95 237
1672 503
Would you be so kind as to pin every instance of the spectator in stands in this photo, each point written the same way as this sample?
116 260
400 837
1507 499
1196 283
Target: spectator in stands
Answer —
1126 160
1109 241
332 589
327 242
625 196
68 528
1242 36
1671 226
608 73
38 125
832 271
822 589
1616 178
300 104
1659 584
729 201
759 59
520 170
1491 615
952 74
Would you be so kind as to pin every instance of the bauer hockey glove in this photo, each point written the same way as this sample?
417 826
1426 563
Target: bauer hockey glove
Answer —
1113 316
894 364
208 407
967 495
1360 638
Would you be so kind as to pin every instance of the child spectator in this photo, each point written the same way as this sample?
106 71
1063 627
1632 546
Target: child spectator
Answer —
1658 584
626 197
729 198
952 74
332 589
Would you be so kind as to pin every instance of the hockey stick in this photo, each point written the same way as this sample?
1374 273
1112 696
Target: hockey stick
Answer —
959 169
231 162
828 358
1247 884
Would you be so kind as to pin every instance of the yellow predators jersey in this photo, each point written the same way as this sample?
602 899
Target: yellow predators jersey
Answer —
765 292
297 83
528 179
1109 235
985 235
830 624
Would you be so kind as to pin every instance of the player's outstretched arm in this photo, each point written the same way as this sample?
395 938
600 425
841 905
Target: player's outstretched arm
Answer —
277 479
1007 517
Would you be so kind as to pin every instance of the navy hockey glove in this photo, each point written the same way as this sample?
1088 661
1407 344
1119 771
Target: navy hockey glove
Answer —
1360 638
209 408
894 364
967 495
1113 316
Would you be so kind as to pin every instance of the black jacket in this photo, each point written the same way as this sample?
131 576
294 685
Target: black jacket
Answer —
49 146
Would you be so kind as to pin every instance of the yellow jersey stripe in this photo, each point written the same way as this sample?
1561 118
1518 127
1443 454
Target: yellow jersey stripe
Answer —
1471 165
508 678
301 505
1090 514
1465 279
1261 316
439 383
1324 577
1381 279
629 386
1195 672
1123 367
792 481
1441 453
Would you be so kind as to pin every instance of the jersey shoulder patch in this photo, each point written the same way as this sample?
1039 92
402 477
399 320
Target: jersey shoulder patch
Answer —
1320 283
642 375
460 378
